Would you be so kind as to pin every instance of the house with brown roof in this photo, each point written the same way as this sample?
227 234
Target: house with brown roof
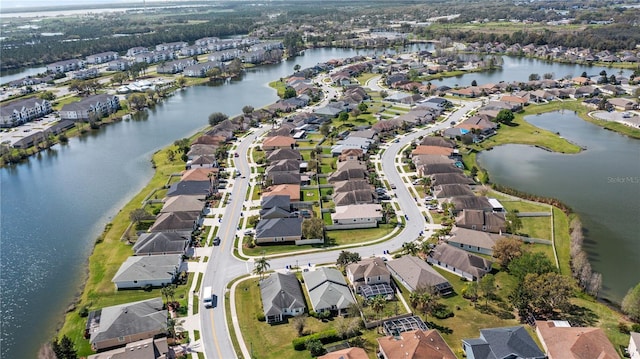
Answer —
561 341
435 168
469 202
423 160
368 272
201 150
353 185
364 196
459 262
291 166
481 123
199 174
290 190
450 178
275 142
349 353
623 104
437 141
480 220
284 154
351 154
415 344
515 100
452 190
432 150
176 221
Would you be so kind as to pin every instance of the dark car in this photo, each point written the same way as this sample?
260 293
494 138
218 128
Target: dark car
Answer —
216 241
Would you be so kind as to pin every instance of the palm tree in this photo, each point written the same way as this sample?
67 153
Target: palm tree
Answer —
261 267
377 304
410 248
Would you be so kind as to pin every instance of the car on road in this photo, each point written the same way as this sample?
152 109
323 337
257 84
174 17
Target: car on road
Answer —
236 154
216 241
393 186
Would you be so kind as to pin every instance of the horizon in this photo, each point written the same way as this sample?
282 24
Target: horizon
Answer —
28 4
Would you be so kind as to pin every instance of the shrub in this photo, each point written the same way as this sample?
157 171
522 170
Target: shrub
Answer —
315 347
84 311
325 337
260 317
623 328
442 312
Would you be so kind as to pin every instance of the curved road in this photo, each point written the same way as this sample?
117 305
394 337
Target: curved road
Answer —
223 266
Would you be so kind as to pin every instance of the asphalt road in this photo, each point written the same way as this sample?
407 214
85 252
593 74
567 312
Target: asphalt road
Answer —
223 267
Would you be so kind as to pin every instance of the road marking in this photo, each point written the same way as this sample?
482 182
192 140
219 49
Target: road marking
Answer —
213 331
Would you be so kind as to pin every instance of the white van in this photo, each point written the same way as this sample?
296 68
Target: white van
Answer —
207 297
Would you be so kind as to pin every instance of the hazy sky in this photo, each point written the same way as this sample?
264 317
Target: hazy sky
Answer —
6 4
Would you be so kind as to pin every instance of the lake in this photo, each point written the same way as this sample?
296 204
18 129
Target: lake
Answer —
601 184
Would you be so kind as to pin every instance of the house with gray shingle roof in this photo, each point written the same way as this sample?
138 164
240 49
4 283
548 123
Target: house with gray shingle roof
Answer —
452 190
279 230
162 243
502 343
121 324
459 262
284 154
327 290
90 108
154 271
473 241
281 297
416 274
369 272
176 221
183 204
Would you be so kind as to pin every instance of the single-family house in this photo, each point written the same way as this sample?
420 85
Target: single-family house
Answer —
291 166
290 190
327 290
415 344
432 150
281 297
435 168
352 185
459 262
351 154
469 202
201 161
202 189
274 230
356 197
481 220
349 353
277 178
200 174
147 271
119 325
623 104
416 274
370 277
452 190
162 243
473 241
503 343
284 154
357 215
275 142
142 349
278 206
562 341
90 108
176 221
450 178
201 150
437 141
183 204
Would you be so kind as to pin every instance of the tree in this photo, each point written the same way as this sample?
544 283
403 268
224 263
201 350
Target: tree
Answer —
631 303
548 76
487 286
289 92
527 263
363 107
343 116
293 43
64 348
377 303
507 249
325 129
247 110
534 77
345 258
296 68
119 78
548 292
505 116
261 267
474 83
315 347
410 248
137 100
313 228
514 223
299 324
384 94
138 214
584 74
217 117
47 95
181 81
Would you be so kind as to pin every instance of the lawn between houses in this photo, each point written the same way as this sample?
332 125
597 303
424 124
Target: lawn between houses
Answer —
109 253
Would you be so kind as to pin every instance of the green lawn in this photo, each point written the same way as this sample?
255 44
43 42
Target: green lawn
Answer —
351 236
310 195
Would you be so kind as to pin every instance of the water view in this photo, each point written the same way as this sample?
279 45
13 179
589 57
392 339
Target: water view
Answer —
601 184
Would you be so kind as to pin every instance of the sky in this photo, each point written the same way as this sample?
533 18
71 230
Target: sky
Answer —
7 4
